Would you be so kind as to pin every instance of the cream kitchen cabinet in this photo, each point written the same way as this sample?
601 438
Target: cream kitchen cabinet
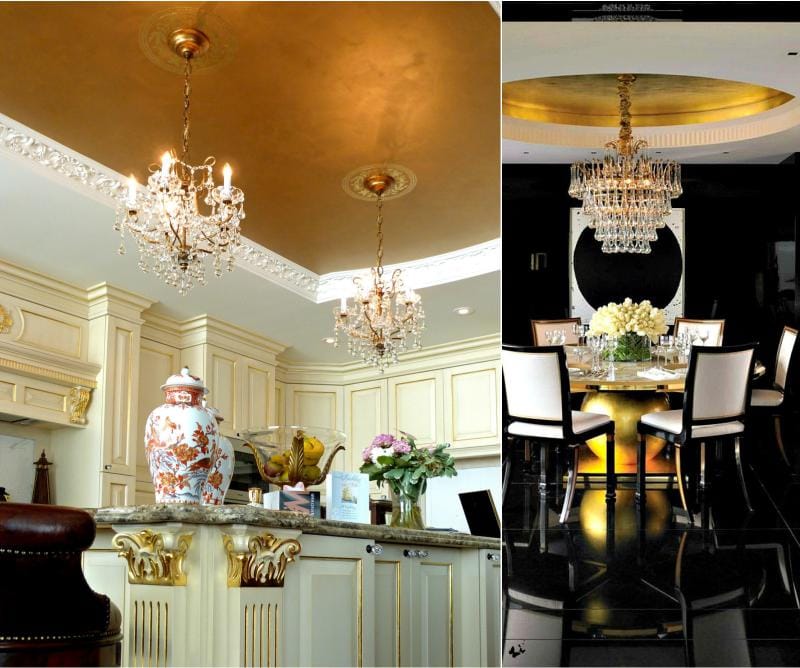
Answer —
242 388
426 598
366 414
331 621
491 584
416 406
472 408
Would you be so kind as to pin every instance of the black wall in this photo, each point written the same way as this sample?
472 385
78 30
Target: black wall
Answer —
734 216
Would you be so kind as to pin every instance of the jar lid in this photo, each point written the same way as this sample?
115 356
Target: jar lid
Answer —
184 379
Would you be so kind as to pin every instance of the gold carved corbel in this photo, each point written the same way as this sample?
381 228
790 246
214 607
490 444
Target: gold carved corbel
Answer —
258 561
78 404
6 322
154 558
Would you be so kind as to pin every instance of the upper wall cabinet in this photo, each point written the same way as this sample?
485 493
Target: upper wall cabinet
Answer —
365 416
416 406
472 407
241 388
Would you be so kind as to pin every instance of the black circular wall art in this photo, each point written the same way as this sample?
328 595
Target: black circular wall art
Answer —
611 277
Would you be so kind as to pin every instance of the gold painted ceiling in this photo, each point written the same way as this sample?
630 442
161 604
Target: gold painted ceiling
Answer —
656 100
303 94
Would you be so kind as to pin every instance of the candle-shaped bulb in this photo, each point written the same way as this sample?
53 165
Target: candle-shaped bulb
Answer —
226 175
131 201
343 305
166 162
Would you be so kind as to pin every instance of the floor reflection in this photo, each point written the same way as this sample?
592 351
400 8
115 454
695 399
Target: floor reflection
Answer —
619 587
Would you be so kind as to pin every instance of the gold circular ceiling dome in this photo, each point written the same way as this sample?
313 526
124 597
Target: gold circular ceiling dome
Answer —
656 100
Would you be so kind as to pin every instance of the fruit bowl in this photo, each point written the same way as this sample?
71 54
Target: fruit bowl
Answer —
287 455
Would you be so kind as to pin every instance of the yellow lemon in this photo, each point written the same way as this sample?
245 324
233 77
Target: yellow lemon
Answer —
311 473
312 449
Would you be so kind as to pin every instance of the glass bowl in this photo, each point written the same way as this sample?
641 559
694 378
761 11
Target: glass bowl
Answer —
286 455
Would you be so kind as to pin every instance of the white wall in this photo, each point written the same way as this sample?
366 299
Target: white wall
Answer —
442 507
20 447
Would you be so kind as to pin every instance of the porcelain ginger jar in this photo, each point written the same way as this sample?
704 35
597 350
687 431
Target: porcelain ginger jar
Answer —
221 472
181 440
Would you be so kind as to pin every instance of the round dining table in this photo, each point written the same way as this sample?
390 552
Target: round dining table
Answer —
634 389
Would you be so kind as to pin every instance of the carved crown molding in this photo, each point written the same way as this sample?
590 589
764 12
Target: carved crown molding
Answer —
258 561
105 185
154 558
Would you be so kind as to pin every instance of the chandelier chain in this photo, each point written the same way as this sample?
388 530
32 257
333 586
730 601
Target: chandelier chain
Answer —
187 95
379 221
625 81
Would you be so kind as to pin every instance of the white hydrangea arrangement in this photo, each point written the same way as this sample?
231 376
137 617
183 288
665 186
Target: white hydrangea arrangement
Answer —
642 319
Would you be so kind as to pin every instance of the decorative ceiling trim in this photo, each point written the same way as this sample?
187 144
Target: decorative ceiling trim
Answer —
776 120
435 270
103 184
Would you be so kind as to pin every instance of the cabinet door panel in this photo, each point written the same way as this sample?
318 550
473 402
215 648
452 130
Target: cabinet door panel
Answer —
433 640
490 606
415 406
331 613
257 399
365 417
388 603
222 390
471 405
117 490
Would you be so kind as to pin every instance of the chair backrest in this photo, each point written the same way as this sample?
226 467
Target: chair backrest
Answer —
537 384
710 330
718 384
784 359
541 327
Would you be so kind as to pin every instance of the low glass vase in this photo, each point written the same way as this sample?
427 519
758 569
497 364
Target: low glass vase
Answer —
630 348
406 513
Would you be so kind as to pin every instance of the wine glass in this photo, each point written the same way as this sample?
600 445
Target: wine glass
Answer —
612 342
548 336
683 343
702 334
596 346
667 345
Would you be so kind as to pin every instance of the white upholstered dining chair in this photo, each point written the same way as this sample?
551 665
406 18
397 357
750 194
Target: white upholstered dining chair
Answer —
715 407
701 332
771 402
537 395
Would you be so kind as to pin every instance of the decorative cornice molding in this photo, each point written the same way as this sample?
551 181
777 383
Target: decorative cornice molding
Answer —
154 558
467 351
104 185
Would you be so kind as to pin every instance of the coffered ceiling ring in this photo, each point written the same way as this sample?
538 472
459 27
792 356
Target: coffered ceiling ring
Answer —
779 119
155 38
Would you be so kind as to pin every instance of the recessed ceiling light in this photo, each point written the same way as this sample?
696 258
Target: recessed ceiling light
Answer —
464 310
328 339
726 153
792 53
526 153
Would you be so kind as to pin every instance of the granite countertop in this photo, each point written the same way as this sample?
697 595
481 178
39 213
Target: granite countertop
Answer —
280 519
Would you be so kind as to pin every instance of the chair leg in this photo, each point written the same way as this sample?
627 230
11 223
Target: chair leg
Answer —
570 492
611 470
543 470
679 475
779 439
702 483
737 448
640 469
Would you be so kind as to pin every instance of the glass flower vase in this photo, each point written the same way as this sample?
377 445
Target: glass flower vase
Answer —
406 513
631 347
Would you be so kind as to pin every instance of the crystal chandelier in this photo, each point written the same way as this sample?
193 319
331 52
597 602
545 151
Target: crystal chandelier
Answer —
626 196
384 318
182 217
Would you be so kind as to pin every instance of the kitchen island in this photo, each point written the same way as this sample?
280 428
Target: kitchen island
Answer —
244 586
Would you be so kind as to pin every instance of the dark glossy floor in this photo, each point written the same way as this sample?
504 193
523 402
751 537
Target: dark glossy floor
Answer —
614 587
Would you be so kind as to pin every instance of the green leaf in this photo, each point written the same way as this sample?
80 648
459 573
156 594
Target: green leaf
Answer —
394 474
386 460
